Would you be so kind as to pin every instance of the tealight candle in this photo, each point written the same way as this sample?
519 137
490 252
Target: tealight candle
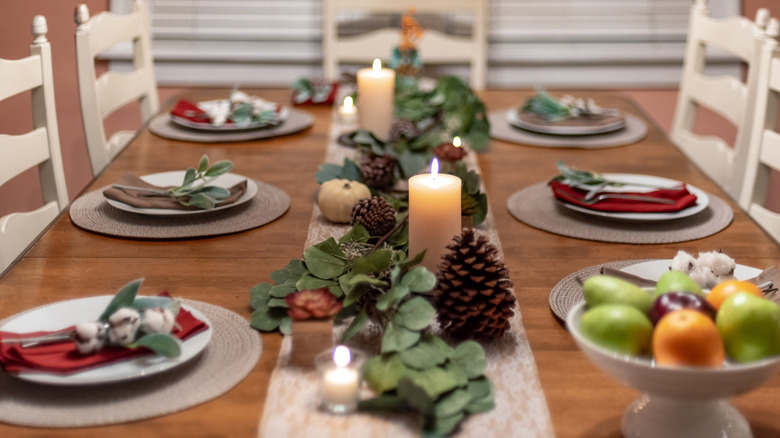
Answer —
376 91
434 214
340 373
348 112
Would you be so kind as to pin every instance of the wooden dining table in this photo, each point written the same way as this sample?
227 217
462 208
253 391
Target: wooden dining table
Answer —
68 262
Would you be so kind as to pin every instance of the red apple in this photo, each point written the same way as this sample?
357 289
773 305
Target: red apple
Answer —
672 301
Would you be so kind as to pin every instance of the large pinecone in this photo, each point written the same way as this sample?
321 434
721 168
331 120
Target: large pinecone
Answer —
376 214
473 293
377 170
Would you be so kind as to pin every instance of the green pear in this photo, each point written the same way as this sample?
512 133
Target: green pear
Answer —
676 281
750 327
603 289
617 327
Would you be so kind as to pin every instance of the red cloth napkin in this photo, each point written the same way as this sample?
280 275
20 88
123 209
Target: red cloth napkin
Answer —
682 197
189 111
63 358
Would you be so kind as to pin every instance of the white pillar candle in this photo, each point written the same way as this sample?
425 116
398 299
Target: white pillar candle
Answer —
434 214
376 91
340 382
348 112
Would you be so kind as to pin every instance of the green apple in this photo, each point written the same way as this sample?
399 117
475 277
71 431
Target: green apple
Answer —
750 327
617 327
603 289
676 281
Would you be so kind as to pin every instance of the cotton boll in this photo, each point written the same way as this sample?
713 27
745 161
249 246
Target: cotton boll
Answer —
683 262
218 112
703 277
89 337
239 96
122 326
720 264
157 320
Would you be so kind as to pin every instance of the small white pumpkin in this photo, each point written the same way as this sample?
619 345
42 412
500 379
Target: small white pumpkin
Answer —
337 197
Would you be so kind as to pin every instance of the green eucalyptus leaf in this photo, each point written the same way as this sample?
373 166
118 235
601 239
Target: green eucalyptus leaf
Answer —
482 208
425 354
481 405
391 297
415 314
366 279
327 172
358 233
382 372
219 168
351 171
123 298
199 200
412 163
259 295
373 263
398 338
355 326
143 303
213 192
282 290
471 356
416 260
277 302
452 403
290 273
415 396
419 280
336 289
480 388
458 373
285 326
162 344
189 176
355 293
435 381
203 164
308 281
267 319
385 402
325 259
436 427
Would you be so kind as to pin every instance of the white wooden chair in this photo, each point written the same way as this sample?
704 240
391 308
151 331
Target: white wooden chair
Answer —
38 148
112 90
727 96
435 48
763 154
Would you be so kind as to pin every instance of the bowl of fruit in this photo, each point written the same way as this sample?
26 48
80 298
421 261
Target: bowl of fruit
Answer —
686 349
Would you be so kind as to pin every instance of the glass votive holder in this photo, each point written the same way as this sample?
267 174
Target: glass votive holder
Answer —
340 372
348 112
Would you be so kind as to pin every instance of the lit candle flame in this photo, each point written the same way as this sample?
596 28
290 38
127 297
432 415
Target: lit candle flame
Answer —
341 356
435 167
348 103
377 64
456 142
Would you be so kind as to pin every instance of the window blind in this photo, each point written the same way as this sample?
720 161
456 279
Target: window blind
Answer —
556 42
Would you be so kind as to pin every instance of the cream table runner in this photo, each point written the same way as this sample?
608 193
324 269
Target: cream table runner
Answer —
291 405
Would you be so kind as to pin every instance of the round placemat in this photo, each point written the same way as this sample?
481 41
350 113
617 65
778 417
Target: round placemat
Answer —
535 206
500 129
162 126
230 356
92 213
568 292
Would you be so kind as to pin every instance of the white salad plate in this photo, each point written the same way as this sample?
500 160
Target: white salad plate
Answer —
281 116
64 314
175 178
653 270
514 119
702 199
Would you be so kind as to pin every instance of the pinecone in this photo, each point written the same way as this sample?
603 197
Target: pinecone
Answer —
376 214
473 293
378 171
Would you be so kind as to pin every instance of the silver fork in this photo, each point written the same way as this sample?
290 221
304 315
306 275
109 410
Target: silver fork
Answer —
604 196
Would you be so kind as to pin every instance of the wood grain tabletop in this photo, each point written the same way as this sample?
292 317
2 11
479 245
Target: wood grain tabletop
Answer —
69 262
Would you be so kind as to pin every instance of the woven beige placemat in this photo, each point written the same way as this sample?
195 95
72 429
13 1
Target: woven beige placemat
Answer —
535 206
520 406
162 126
568 292
500 129
91 212
231 354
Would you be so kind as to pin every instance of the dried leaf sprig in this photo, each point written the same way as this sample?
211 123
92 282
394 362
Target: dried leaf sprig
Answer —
411 32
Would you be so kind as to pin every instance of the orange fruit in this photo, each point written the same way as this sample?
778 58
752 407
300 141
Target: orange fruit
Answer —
719 293
687 337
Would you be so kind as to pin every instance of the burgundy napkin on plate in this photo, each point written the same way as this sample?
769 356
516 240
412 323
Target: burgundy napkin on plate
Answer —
681 196
63 358
187 110
141 199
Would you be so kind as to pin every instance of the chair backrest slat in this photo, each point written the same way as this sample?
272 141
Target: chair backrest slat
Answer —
26 73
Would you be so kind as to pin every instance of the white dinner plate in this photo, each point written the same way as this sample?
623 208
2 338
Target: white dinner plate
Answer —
174 178
653 270
57 316
281 117
702 199
514 119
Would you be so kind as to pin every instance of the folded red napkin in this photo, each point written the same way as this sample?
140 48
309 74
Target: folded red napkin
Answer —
189 111
62 357
682 199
